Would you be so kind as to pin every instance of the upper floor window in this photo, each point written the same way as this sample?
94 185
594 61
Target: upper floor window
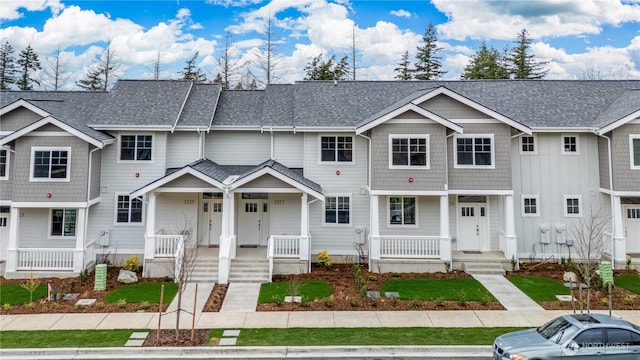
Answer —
128 210
530 205
528 145
336 148
50 164
634 146
408 151
4 164
474 151
136 147
337 210
570 144
572 206
402 210
63 222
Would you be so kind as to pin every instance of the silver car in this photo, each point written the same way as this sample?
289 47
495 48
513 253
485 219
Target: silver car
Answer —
577 336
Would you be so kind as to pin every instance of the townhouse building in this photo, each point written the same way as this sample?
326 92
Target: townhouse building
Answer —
406 176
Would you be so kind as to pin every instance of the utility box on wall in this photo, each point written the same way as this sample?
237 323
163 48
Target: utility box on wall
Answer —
545 236
361 235
561 233
104 239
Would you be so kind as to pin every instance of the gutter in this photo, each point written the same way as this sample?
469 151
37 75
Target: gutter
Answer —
611 195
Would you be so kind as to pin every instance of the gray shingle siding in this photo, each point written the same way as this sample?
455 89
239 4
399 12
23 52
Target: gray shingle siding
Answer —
624 178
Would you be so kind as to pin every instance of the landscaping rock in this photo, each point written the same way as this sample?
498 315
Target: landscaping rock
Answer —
127 277
570 277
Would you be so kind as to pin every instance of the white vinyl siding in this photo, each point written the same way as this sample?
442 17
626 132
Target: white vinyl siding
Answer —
182 148
238 148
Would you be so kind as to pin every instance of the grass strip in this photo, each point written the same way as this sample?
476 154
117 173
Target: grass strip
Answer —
16 295
309 290
439 289
370 336
137 293
629 282
64 338
539 288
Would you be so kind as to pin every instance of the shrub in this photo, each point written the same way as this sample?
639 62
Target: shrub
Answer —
6 307
604 301
439 301
328 302
122 303
145 305
447 266
630 300
132 264
462 298
324 259
30 285
84 276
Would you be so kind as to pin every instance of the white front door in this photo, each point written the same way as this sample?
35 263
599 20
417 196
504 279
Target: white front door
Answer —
210 222
253 222
631 215
473 226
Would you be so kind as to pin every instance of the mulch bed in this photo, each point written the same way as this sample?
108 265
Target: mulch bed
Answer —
168 338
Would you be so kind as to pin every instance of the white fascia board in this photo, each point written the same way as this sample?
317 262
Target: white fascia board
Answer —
131 127
605 129
410 107
325 129
278 128
173 176
49 205
481 192
236 127
184 102
5 202
626 193
279 176
53 121
564 130
444 91
23 103
407 193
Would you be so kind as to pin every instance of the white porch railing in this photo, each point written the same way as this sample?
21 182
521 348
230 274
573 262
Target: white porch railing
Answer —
507 245
47 259
227 253
178 258
287 246
166 245
397 246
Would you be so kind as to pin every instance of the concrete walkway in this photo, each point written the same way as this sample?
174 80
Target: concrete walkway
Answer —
204 290
241 297
506 293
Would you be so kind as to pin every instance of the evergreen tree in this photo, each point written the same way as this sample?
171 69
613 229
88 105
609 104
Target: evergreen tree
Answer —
8 67
523 64
28 62
486 64
101 75
428 64
191 72
403 69
319 69
92 81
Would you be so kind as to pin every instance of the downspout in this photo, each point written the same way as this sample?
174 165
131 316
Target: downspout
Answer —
611 195
272 151
86 215
369 190
309 230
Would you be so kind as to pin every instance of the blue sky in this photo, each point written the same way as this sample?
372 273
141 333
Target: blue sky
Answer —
578 38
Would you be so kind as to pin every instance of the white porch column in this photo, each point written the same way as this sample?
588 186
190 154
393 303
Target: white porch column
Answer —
150 231
445 237
304 227
511 249
78 255
374 244
619 240
226 237
12 246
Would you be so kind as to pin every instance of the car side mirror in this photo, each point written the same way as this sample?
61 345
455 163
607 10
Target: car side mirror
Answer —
573 346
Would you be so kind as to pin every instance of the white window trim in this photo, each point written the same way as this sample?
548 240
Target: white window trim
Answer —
50 149
6 173
564 205
50 224
631 138
577 152
153 149
324 213
537 198
409 136
353 150
473 136
115 211
388 211
535 145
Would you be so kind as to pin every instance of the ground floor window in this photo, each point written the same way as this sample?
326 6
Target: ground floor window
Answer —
63 222
337 210
129 210
402 210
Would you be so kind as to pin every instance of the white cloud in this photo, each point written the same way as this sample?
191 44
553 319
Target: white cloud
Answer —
11 9
400 13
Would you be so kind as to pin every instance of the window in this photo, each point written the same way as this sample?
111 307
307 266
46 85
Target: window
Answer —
402 210
572 205
128 210
337 210
63 222
570 145
634 145
622 338
590 338
408 151
336 149
4 164
50 164
136 147
528 145
530 205
474 151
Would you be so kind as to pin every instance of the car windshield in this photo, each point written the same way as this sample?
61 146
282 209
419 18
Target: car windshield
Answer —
555 327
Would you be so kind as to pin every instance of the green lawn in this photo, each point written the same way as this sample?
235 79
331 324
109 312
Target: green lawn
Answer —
629 282
309 290
539 288
16 295
65 338
438 289
137 293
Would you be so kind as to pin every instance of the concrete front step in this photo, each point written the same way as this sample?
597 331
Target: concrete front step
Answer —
249 271
484 269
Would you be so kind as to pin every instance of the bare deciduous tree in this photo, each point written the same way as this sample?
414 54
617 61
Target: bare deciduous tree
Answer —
55 73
